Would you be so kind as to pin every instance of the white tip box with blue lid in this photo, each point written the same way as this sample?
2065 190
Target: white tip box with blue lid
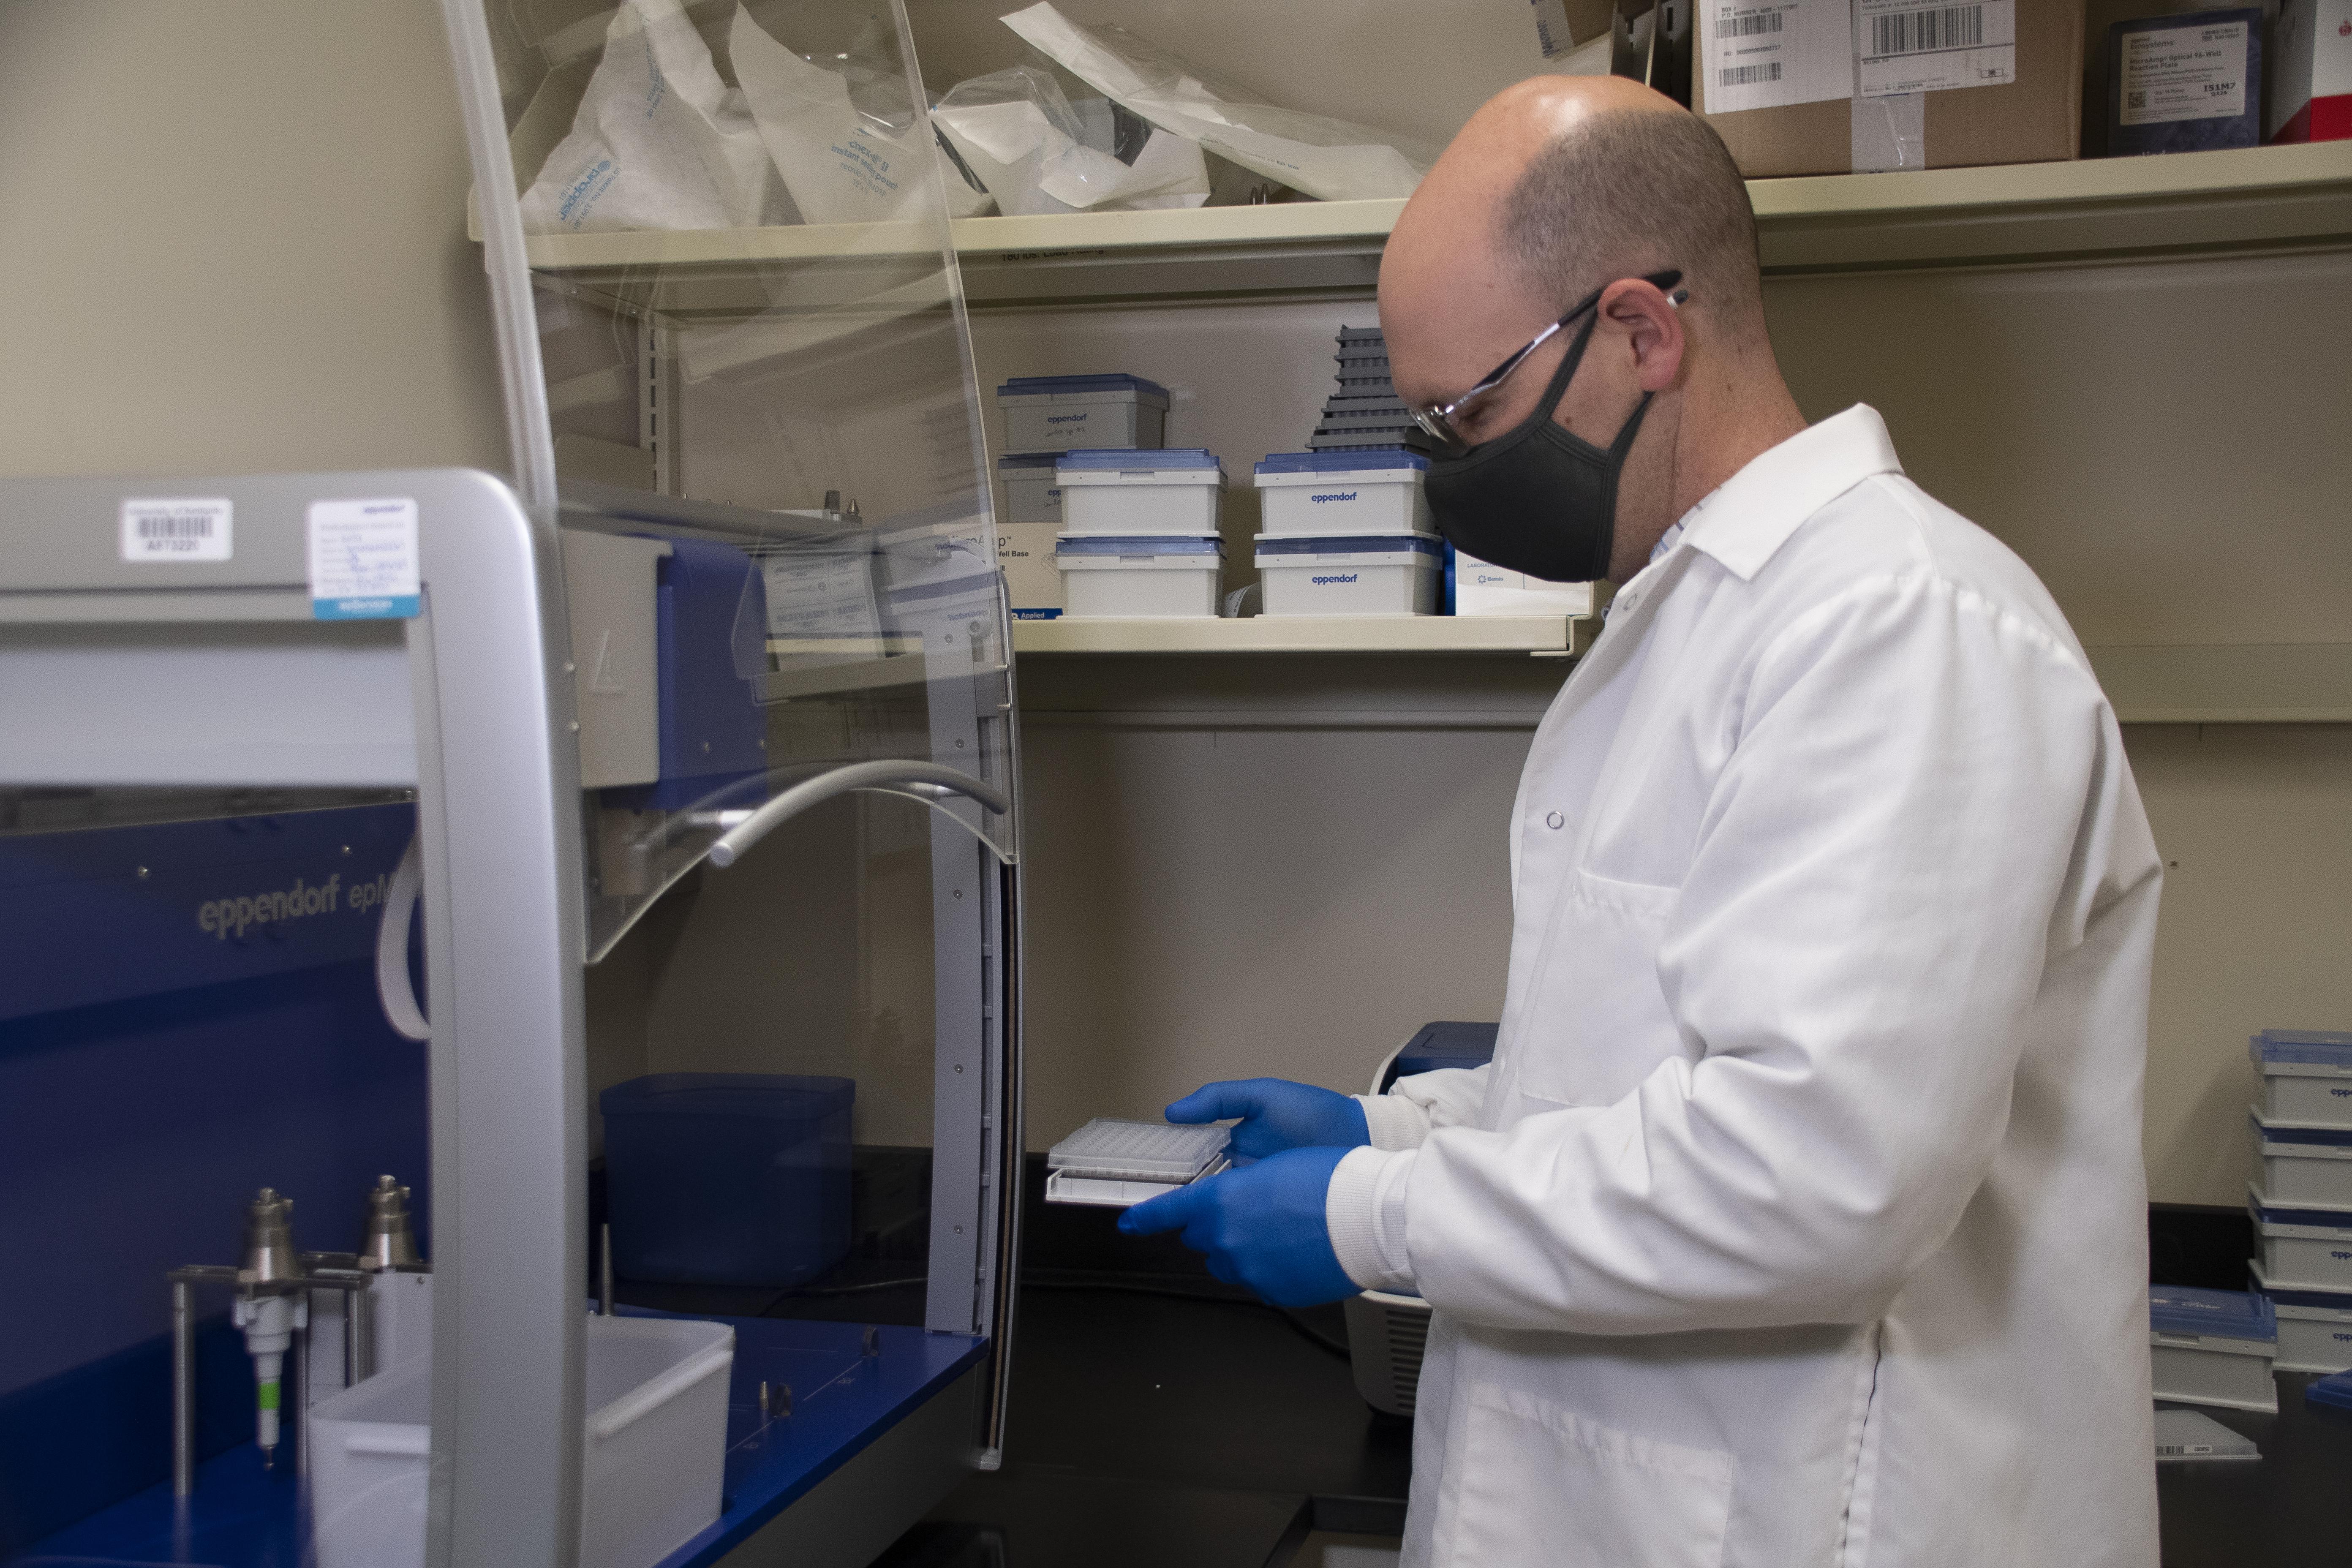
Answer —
1375 491
2302 1249
2307 1077
2212 1347
1349 574
2314 1326
1126 491
1157 576
1063 413
2303 1167
1111 1163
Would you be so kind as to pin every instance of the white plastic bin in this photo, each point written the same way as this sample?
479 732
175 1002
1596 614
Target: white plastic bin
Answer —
1169 492
1130 575
2212 1347
1481 589
2303 1168
655 1452
2314 1326
1349 574
1063 413
1031 493
2307 1077
2304 1249
1376 491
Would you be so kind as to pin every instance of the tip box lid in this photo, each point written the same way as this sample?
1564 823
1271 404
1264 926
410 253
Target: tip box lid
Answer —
1012 462
2223 1314
1346 545
1354 460
1047 385
1140 458
2305 1137
1137 544
2316 1048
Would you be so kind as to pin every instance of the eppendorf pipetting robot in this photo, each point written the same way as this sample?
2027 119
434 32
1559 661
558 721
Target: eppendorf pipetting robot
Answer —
273 1300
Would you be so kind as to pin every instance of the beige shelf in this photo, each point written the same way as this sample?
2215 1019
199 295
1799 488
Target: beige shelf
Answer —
2249 198
1558 636
2258 683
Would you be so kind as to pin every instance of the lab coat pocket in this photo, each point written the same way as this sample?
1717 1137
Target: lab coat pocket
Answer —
1545 1488
1597 1020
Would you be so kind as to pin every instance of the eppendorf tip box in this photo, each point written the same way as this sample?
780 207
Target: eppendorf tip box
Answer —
1118 1165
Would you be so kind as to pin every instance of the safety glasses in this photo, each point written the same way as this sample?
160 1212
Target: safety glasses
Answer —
1436 419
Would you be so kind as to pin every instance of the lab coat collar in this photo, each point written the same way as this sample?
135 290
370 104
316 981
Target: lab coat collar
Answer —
1751 514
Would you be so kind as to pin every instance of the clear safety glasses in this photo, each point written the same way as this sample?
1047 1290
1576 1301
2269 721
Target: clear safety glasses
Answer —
1436 419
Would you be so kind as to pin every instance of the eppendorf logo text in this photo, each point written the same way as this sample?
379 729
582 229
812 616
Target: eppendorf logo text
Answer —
224 918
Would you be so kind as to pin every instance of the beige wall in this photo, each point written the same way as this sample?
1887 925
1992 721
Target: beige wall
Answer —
235 240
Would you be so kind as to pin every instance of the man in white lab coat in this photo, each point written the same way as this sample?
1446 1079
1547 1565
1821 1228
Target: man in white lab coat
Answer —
1800 1217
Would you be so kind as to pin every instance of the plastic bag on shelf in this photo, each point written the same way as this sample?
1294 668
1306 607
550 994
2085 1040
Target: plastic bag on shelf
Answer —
1334 160
658 142
844 160
1036 153
968 194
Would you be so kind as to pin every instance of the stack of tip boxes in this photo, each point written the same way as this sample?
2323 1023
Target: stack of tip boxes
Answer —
1044 419
1347 530
2301 1125
1139 532
2211 1347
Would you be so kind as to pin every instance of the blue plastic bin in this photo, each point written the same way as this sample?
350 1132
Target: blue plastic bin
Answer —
728 1178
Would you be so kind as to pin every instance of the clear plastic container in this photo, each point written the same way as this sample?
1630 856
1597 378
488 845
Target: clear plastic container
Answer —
1377 491
2307 1077
2304 1167
1063 413
1173 491
655 1449
1349 574
1155 576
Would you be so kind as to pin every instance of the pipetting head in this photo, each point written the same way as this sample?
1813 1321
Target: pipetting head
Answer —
391 1240
269 1252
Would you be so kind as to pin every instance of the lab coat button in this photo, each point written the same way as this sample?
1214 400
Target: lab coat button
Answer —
1553 819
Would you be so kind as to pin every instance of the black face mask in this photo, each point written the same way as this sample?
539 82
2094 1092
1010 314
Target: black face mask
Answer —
1536 499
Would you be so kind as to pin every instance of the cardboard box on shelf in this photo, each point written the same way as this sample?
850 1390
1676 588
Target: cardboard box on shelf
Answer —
2311 84
1828 87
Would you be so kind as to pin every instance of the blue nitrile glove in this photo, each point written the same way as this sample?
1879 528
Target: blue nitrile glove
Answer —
1276 1114
1261 1226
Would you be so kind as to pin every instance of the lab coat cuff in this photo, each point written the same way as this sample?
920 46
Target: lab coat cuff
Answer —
1394 1122
1364 1209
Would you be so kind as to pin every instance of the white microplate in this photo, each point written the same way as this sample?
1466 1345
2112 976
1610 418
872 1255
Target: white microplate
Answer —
2185 1435
1139 1150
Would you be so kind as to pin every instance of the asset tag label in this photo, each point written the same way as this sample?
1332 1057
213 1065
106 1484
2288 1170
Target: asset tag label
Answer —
1929 46
363 560
177 529
1765 54
2185 73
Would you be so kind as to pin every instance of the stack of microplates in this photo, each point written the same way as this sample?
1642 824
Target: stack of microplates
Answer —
1365 411
1116 1165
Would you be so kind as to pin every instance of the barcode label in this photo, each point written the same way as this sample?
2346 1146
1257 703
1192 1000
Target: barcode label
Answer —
1924 32
1748 26
1748 76
1768 54
176 529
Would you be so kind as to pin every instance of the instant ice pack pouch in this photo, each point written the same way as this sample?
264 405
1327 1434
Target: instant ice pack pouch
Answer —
851 146
1333 160
1038 153
659 141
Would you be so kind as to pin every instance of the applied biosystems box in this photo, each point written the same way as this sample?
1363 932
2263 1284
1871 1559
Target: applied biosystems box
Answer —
1126 491
1140 574
1031 582
1376 491
1349 574
2212 1347
2307 1077
1064 412
1480 588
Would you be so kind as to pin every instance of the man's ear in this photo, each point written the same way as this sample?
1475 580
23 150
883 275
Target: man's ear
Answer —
1653 328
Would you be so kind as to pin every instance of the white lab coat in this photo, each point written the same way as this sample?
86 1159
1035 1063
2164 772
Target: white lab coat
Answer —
1801 1217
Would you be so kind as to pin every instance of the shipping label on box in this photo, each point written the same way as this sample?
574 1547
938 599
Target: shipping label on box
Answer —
1032 581
1763 54
1931 46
